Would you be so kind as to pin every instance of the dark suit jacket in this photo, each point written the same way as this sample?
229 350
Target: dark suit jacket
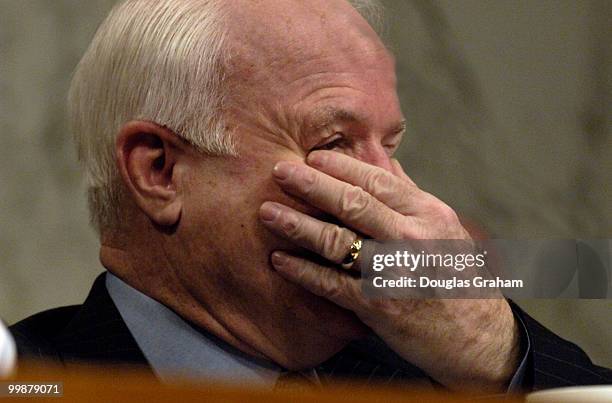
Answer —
95 332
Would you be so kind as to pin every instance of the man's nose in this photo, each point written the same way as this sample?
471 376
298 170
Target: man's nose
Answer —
375 154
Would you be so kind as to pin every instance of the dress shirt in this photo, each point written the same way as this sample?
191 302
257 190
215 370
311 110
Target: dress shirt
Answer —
174 348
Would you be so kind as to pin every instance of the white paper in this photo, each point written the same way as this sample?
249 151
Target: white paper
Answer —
7 351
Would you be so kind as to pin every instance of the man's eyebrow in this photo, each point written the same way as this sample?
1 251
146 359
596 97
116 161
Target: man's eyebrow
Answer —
324 117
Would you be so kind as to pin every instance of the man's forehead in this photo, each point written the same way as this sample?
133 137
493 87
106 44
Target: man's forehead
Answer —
266 34
313 63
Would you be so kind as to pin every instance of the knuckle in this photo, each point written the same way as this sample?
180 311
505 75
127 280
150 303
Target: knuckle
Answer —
309 181
330 289
440 210
353 201
428 200
446 214
334 242
378 180
289 224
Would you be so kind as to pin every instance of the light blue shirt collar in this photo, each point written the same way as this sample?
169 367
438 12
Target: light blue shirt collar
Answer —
174 348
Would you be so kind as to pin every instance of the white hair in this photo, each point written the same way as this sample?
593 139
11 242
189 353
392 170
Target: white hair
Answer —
159 61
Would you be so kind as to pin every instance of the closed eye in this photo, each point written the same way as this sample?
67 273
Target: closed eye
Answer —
330 143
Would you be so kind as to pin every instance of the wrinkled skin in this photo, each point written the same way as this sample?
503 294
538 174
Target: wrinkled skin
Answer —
467 344
303 76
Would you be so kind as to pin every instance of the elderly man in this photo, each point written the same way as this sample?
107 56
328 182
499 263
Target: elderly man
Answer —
221 139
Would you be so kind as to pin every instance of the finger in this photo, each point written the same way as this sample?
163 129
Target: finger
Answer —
394 191
399 171
325 239
338 287
350 204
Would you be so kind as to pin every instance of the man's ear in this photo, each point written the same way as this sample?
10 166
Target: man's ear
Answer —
147 155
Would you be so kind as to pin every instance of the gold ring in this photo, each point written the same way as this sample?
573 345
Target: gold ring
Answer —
354 251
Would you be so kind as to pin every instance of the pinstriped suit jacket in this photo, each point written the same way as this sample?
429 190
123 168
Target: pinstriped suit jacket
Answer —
95 332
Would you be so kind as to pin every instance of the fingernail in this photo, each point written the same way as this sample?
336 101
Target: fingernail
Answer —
283 170
317 159
269 211
278 258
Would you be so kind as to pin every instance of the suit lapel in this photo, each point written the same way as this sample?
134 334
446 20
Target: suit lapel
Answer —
97 332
